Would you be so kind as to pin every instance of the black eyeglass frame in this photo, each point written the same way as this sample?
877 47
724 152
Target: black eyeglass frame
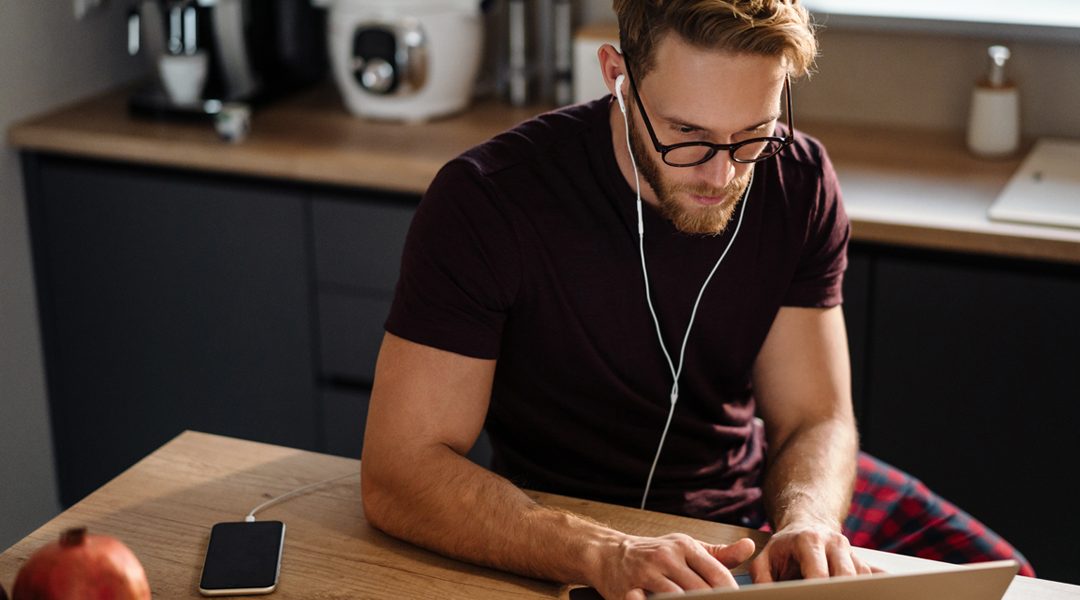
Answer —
784 141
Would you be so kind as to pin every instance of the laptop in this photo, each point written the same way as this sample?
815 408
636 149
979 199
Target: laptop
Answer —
980 581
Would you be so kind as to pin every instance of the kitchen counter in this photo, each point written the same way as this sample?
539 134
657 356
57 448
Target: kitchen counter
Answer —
309 137
902 187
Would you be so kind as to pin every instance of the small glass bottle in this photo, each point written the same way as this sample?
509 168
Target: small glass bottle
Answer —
994 122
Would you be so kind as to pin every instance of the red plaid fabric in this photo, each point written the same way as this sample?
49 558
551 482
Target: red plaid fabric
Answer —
894 512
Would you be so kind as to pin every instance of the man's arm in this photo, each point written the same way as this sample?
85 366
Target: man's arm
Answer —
802 381
427 409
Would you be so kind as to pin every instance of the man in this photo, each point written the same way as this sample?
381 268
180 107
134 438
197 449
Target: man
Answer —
623 350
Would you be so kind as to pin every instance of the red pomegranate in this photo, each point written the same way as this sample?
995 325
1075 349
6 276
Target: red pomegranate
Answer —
84 567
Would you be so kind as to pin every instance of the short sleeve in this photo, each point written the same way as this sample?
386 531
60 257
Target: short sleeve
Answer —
819 275
460 267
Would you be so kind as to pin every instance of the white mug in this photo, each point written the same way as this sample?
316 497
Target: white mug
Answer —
183 76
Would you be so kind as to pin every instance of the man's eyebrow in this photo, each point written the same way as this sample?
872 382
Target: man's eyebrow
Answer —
775 117
754 127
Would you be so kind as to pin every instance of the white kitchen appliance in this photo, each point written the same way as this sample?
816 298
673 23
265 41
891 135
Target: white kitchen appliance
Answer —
405 60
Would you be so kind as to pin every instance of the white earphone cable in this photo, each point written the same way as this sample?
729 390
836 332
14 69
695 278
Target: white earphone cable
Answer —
251 515
676 372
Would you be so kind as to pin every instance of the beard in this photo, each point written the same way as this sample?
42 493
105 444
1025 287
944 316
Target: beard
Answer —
695 218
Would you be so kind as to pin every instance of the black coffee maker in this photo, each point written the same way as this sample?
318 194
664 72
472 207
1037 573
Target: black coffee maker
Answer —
255 50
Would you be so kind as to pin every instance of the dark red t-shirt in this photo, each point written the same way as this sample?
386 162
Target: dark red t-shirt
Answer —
525 250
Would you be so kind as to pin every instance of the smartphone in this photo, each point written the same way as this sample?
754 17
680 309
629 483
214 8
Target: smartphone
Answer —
243 558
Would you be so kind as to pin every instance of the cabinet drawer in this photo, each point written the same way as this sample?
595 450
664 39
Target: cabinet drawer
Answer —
359 243
344 418
351 330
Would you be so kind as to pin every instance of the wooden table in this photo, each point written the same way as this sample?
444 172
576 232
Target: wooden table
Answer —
163 508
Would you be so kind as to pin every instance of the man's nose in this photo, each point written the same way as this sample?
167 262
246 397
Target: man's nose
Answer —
719 170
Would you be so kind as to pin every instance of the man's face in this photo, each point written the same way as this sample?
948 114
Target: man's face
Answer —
693 94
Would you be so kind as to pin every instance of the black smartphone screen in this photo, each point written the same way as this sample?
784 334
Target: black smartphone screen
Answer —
585 593
243 558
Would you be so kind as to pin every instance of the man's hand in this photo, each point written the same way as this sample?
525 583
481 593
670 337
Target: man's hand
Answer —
807 550
803 385
672 563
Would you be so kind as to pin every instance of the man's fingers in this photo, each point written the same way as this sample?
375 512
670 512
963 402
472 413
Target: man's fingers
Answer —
840 560
662 585
705 564
861 566
688 579
811 557
635 594
761 568
733 555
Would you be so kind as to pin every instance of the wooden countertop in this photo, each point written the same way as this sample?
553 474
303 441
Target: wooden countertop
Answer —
308 137
903 187
163 508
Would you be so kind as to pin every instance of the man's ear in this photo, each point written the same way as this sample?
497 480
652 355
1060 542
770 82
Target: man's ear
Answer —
612 65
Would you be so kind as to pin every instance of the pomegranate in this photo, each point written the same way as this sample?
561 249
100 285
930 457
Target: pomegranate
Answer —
84 567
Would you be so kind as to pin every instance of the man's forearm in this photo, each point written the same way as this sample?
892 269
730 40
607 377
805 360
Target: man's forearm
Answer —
440 500
811 476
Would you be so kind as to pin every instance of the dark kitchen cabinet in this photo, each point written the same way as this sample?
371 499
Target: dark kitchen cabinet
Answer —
857 318
168 301
174 300
346 415
358 246
974 388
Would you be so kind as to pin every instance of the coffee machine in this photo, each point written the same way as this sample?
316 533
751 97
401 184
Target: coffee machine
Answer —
224 51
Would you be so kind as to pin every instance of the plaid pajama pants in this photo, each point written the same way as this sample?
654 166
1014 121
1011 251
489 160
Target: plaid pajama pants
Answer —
894 512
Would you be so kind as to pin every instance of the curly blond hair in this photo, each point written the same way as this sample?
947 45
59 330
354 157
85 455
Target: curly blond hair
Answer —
765 27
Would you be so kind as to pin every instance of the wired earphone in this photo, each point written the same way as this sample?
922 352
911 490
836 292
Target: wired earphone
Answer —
676 371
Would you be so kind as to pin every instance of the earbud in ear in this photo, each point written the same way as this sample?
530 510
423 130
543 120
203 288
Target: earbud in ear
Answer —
618 92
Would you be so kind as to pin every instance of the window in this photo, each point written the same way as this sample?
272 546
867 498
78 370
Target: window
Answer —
1052 20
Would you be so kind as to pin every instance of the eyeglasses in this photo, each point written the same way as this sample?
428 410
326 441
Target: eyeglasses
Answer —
690 154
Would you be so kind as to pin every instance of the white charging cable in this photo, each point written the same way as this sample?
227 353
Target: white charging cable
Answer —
250 518
676 372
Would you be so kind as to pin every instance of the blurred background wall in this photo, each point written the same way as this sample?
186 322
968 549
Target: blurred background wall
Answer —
924 79
47 58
